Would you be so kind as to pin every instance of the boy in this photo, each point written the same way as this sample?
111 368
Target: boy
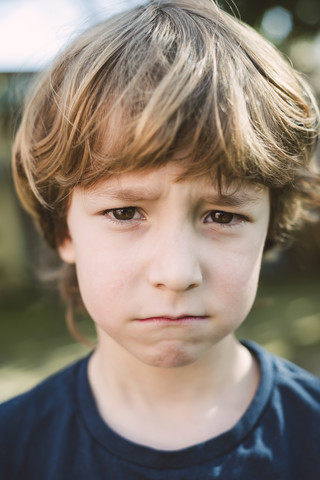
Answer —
160 155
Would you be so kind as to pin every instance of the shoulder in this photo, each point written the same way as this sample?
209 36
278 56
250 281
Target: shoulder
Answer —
25 415
294 393
286 376
55 384
291 378
288 427
299 388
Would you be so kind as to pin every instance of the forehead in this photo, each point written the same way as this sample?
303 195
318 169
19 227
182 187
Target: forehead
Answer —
156 183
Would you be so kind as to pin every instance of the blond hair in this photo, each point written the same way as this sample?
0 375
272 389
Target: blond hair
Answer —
160 79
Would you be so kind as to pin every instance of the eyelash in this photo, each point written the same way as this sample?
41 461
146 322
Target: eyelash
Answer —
235 219
123 209
240 219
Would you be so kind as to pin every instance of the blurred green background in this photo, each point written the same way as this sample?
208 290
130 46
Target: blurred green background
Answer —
286 317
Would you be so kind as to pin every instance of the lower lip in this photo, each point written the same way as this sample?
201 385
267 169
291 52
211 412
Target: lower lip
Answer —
179 320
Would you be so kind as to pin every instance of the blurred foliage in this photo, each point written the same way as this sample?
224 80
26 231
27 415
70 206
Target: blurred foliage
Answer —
286 318
305 13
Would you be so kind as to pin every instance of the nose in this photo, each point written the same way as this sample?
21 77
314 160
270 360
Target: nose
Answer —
175 263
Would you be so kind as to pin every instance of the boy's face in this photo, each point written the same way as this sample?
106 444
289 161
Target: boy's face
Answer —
166 269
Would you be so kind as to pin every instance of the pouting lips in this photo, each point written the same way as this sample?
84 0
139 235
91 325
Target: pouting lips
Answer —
171 319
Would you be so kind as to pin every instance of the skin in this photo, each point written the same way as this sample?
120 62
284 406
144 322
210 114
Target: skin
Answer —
168 270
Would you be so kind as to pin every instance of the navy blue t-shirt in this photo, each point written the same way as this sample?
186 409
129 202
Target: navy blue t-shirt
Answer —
54 432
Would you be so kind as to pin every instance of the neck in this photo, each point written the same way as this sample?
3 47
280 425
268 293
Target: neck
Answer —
212 393
113 369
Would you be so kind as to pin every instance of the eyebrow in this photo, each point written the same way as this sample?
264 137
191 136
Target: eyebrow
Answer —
125 194
139 194
236 199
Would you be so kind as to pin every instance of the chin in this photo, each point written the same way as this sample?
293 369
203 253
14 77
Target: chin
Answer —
171 357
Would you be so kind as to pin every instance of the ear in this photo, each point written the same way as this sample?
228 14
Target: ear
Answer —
66 251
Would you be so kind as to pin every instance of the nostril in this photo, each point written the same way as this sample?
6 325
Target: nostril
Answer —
176 277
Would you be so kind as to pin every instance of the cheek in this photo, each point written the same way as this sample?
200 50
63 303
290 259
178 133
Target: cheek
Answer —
238 278
243 271
105 279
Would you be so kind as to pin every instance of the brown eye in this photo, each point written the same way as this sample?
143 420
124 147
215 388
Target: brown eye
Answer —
127 213
221 217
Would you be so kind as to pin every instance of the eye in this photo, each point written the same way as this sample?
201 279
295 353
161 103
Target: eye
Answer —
224 218
123 214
